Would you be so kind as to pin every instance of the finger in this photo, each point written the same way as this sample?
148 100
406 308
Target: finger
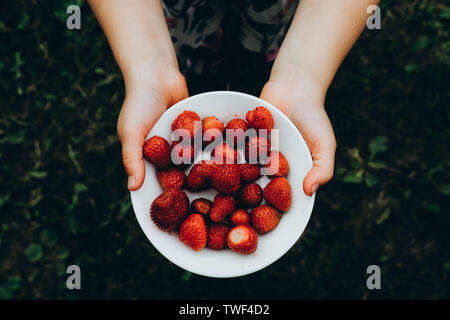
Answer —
323 166
318 133
132 155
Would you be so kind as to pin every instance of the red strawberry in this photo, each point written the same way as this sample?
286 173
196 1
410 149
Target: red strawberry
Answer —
265 218
223 153
210 123
278 193
222 207
182 154
208 167
217 236
249 172
240 216
250 195
236 129
169 209
226 178
157 151
260 118
242 239
193 232
196 179
277 164
201 205
187 121
171 178
256 149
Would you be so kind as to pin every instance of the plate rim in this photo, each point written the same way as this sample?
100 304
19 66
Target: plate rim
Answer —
274 258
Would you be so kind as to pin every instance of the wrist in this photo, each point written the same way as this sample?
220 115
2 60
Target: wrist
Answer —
150 77
304 86
148 66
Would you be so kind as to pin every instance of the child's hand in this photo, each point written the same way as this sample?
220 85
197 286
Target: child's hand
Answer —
146 99
140 40
319 37
306 110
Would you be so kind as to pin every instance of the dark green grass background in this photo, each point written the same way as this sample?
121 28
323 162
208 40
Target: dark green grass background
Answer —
63 197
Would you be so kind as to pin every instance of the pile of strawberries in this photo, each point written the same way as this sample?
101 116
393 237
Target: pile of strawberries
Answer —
237 214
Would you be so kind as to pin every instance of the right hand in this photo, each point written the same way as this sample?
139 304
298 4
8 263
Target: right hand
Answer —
147 97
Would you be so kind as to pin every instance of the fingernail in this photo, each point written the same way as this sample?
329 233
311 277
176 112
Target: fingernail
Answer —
314 188
131 182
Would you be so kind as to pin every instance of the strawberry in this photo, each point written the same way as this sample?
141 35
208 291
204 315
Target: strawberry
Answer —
250 195
265 218
226 178
208 167
156 150
278 194
276 164
187 121
169 209
260 118
223 153
171 178
242 239
196 179
217 236
182 154
222 207
236 129
208 134
256 149
201 205
249 172
193 232
240 216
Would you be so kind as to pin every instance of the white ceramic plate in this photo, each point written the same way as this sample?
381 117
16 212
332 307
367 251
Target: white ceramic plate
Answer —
226 105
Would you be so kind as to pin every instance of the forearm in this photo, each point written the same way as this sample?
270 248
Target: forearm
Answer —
321 34
138 35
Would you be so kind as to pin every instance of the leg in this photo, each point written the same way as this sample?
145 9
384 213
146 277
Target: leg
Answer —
265 23
195 29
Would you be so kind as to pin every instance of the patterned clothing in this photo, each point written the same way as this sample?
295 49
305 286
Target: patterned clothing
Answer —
198 24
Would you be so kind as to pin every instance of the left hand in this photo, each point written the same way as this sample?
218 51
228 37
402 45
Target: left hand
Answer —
297 99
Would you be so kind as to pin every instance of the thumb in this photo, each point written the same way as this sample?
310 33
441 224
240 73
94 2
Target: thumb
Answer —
323 166
313 123
132 155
